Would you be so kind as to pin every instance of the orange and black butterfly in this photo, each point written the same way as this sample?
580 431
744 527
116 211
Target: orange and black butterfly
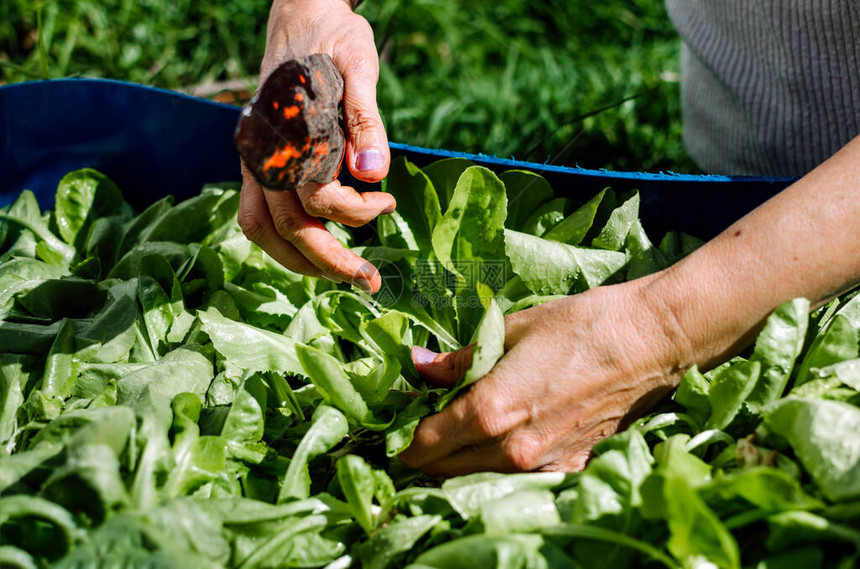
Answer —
289 133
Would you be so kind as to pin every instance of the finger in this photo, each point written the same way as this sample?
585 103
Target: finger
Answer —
442 369
490 410
440 435
512 454
257 225
475 458
343 204
474 418
367 153
314 241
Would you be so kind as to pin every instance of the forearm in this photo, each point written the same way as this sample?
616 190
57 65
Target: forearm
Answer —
803 242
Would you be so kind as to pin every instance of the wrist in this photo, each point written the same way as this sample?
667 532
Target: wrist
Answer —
704 316
645 342
303 27
313 6
659 336
664 299
638 346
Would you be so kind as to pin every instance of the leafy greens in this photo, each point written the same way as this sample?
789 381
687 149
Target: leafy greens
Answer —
170 396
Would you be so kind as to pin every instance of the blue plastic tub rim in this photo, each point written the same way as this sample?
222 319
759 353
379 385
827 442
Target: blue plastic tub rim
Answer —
153 142
441 153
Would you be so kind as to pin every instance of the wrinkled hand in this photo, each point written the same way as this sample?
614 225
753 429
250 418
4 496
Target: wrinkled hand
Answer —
285 224
574 371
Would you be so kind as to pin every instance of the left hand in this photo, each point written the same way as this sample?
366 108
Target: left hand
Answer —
285 224
574 371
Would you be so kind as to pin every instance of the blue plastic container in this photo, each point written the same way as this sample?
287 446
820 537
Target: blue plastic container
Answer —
153 142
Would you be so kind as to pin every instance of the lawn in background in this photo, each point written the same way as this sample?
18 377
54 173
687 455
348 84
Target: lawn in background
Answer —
567 81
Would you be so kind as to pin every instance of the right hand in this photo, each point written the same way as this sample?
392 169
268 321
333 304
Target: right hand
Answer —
285 224
575 370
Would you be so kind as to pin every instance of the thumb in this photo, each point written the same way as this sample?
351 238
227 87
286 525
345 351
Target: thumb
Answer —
442 369
367 153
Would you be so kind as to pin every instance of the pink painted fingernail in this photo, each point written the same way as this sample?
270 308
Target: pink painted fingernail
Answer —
423 356
369 160
389 209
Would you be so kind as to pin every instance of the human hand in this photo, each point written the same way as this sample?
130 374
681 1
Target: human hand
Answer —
577 369
574 371
285 224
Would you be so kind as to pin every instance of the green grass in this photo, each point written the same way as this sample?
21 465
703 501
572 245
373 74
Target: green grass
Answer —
506 77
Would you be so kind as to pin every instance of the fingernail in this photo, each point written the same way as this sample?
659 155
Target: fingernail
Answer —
363 276
363 285
369 160
423 356
389 209
366 271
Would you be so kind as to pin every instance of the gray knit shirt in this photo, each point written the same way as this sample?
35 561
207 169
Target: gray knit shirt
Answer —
769 87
